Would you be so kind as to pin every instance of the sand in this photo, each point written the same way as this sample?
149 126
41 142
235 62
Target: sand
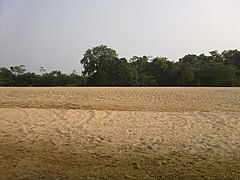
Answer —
120 133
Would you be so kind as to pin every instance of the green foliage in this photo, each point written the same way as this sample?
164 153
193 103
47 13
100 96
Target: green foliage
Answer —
17 76
102 67
219 74
97 59
18 70
6 77
161 69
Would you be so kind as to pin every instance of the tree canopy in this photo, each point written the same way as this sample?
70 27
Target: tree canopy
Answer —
103 67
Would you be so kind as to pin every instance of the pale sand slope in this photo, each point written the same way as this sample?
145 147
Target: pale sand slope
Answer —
120 133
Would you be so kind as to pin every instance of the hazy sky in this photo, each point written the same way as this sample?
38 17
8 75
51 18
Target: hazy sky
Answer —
56 33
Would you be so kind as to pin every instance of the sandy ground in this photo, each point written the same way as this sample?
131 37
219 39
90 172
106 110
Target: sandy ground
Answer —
120 133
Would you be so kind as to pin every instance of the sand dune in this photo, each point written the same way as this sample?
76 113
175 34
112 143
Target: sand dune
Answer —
120 133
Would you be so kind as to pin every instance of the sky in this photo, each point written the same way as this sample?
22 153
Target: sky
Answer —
55 34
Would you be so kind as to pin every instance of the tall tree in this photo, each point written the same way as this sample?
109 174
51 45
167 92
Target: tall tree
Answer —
97 58
97 62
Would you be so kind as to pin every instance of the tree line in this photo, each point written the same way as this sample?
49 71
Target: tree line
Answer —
18 76
103 67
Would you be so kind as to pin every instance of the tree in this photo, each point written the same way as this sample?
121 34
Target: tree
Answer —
103 67
187 68
140 64
97 62
216 56
18 70
28 79
96 59
192 67
6 77
76 80
121 73
219 74
159 68
185 75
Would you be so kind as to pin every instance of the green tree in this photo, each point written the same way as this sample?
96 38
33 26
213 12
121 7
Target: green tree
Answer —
232 57
141 65
219 74
187 68
121 73
28 79
161 69
18 70
215 56
103 67
75 80
6 77
192 67
97 62
96 59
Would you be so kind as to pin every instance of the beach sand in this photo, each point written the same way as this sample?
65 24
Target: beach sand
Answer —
120 133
